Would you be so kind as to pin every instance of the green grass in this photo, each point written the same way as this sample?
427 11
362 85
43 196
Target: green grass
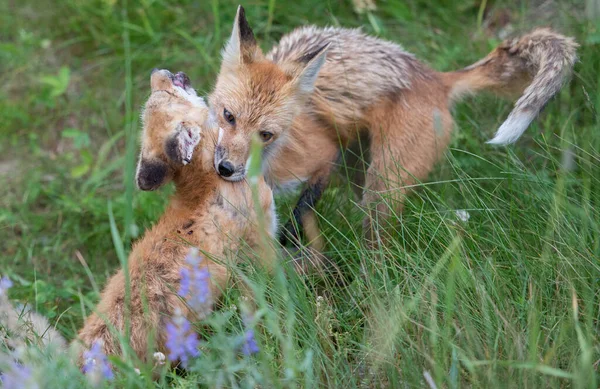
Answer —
508 299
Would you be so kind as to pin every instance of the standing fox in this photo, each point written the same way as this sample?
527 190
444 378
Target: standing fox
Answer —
321 87
205 212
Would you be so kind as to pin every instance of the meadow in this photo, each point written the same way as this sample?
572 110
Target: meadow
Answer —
492 279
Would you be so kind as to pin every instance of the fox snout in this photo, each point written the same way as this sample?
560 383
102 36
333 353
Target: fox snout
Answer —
226 168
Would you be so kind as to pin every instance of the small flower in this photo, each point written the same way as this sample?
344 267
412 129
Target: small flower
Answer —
320 301
159 358
194 285
5 284
18 376
96 365
182 341
463 215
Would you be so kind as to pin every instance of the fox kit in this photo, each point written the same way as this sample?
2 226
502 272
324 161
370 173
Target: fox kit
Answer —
205 211
324 86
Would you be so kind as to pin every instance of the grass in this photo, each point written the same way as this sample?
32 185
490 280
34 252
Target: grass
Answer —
509 298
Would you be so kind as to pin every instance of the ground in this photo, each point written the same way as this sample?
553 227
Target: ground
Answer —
504 293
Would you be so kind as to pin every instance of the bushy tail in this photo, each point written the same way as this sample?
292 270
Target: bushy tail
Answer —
20 326
536 64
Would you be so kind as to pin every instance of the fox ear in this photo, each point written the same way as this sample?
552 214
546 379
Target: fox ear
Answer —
179 148
242 47
312 63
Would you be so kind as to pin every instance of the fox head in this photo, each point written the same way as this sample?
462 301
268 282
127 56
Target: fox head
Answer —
256 97
172 120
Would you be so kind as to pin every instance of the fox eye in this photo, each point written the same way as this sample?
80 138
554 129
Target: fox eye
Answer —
266 136
229 117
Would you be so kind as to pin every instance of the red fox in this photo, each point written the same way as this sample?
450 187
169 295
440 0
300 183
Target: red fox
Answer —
205 211
322 87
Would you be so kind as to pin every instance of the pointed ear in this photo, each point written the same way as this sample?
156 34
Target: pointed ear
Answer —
312 63
242 47
180 147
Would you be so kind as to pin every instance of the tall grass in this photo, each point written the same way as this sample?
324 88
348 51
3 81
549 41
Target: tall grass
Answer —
507 298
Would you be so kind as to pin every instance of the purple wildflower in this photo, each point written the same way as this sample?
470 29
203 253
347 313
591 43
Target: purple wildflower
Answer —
194 285
5 284
18 376
250 347
182 340
96 365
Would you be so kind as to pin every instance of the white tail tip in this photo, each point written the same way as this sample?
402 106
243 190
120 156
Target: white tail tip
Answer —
512 129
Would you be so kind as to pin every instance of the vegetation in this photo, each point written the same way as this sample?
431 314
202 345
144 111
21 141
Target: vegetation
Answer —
504 294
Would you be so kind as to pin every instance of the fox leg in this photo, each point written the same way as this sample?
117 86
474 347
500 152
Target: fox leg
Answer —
408 134
382 197
304 218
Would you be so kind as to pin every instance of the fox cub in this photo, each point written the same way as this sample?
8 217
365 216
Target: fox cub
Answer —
323 87
207 212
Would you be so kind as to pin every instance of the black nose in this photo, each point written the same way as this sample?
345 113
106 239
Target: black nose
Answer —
225 169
